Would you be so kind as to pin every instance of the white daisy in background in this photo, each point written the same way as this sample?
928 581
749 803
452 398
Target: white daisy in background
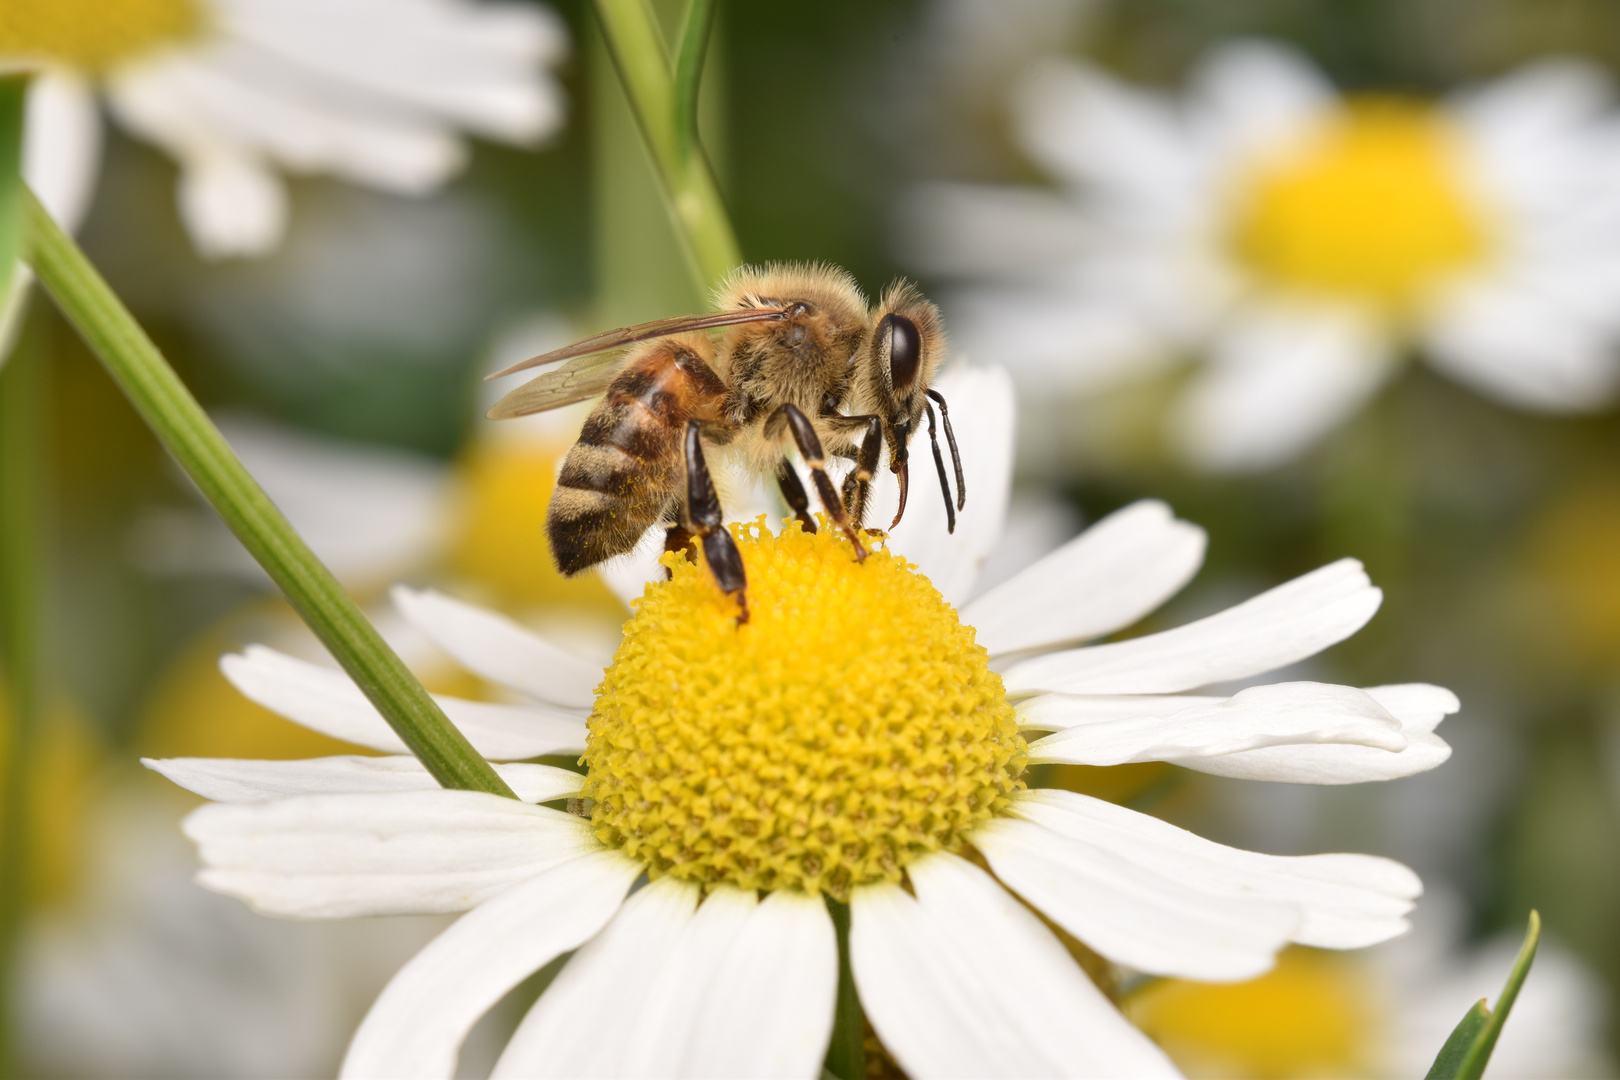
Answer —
853 735
373 91
1383 1012
1300 242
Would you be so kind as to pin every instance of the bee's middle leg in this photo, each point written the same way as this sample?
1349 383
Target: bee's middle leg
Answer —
809 444
704 520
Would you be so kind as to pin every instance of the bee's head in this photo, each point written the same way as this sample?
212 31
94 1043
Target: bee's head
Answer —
902 355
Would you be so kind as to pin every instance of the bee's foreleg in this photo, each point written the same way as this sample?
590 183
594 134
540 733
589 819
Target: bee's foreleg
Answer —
809 444
793 492
704 519
858 484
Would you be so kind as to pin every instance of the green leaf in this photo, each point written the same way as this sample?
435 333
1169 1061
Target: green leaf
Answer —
1468 1050
13 95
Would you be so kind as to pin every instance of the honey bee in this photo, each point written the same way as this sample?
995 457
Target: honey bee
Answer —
797 353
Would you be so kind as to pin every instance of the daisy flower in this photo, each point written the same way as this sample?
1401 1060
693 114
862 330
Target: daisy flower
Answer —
1384 1012
373 91
1299 241
853 743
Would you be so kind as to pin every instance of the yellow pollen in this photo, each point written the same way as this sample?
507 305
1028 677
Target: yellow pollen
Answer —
851 726
1309 1016
1371 203
94 35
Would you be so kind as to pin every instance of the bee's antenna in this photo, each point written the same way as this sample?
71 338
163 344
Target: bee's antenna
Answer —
950 437
939 463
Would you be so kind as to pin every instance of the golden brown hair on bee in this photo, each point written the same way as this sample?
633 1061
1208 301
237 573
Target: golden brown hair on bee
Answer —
622 475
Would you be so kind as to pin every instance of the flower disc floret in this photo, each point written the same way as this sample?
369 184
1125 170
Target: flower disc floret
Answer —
850 727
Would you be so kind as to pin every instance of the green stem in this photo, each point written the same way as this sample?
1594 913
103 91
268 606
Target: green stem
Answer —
846 1053
694 46
22 549
637 47
22 557
196 444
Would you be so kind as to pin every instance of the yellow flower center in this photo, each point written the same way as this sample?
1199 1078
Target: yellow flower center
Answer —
94 35
851 726
1309 1016
1371 203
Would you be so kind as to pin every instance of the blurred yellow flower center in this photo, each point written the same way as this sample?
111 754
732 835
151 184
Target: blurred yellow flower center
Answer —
94 34
851 726
1370 203
1308 1016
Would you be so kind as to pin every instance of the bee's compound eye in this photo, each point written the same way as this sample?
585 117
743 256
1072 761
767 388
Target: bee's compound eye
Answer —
905 349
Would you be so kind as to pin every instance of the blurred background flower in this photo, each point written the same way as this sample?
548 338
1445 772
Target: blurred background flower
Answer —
940 137
1302 241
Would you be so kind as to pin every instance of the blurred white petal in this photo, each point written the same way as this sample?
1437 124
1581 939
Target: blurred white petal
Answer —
1279 378
228 780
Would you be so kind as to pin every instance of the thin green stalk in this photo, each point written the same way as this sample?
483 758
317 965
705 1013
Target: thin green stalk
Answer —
642 59
22 559
846 1053
196 444
696 29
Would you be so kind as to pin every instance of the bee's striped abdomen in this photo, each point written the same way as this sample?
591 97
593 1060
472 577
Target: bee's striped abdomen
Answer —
622 475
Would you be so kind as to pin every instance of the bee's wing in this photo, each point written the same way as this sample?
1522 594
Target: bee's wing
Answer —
581 378
629 335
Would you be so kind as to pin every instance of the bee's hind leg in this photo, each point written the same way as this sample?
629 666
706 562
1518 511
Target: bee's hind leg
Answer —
678 537
704 520
809 444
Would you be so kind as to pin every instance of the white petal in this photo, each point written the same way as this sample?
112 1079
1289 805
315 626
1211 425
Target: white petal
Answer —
1089 128
1297 619
475 64
499 649
1349 901
667 1041
387 853
1106 578
933 978
767 1010
1418 706
1136 915
1253 94
62 144
1325 764
235 781
1523 348
1278 715
232 206
1278 379
326 700
583 1023
982 415
418 1023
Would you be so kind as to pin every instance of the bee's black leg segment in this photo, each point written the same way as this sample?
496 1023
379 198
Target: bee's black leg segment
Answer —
705 520
793 491
956 456
939 463
858 484
809 444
